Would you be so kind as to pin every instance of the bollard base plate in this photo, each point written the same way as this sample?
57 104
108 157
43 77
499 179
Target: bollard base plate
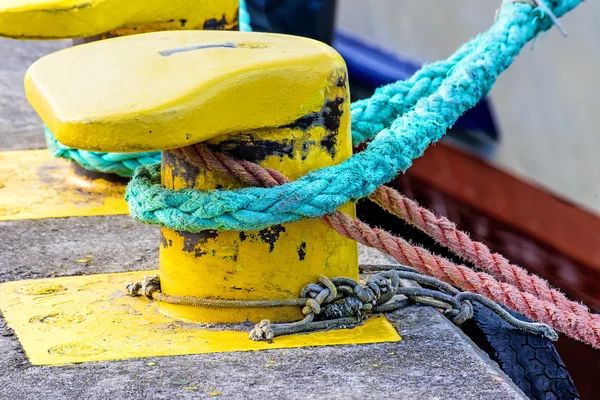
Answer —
35 185
90 318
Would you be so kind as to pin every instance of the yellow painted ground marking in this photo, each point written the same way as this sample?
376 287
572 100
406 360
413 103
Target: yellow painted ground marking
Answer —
35 185
89 318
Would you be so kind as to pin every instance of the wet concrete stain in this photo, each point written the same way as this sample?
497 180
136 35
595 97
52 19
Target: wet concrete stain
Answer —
270 235
302 251
192 240
93 175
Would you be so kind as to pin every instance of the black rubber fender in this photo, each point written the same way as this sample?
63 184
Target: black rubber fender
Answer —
530 360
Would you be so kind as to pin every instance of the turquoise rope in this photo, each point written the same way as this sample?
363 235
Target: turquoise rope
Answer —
122 164
244 17
392 150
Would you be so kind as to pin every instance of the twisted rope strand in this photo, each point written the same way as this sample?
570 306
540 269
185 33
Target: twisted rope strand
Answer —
586 330
444 232
576 322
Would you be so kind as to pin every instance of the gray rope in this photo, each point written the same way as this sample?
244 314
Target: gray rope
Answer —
343 302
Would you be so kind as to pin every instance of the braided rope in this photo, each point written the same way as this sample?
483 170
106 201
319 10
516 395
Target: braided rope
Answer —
321 192
378 112
537 300
336 300
587 330
122 164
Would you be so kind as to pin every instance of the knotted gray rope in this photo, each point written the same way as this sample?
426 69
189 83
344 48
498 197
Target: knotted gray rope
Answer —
343 302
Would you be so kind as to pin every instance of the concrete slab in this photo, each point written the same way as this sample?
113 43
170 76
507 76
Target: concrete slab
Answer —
434 359
62 247
20 127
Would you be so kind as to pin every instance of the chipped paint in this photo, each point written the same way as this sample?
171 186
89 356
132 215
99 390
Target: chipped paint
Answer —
270 235
192 242
214 24
302 251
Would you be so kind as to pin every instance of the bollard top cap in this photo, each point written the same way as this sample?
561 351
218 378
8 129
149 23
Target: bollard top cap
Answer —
166 90
62 19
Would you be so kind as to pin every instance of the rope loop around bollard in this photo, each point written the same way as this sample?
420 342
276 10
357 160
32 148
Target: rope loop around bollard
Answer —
400 140
343 302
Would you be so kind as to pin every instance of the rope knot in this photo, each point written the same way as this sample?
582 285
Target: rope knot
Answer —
147 287
263 331
312 306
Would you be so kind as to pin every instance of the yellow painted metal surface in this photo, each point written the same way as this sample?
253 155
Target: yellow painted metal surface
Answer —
166 90
59 19
278 100
33 185
278 261
89 318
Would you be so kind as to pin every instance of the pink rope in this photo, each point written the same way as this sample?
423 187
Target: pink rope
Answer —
502 282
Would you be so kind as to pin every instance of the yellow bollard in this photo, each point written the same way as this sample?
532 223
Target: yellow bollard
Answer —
279 100
275 262
44 187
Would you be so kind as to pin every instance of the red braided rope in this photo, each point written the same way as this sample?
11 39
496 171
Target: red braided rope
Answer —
527 294
444 232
